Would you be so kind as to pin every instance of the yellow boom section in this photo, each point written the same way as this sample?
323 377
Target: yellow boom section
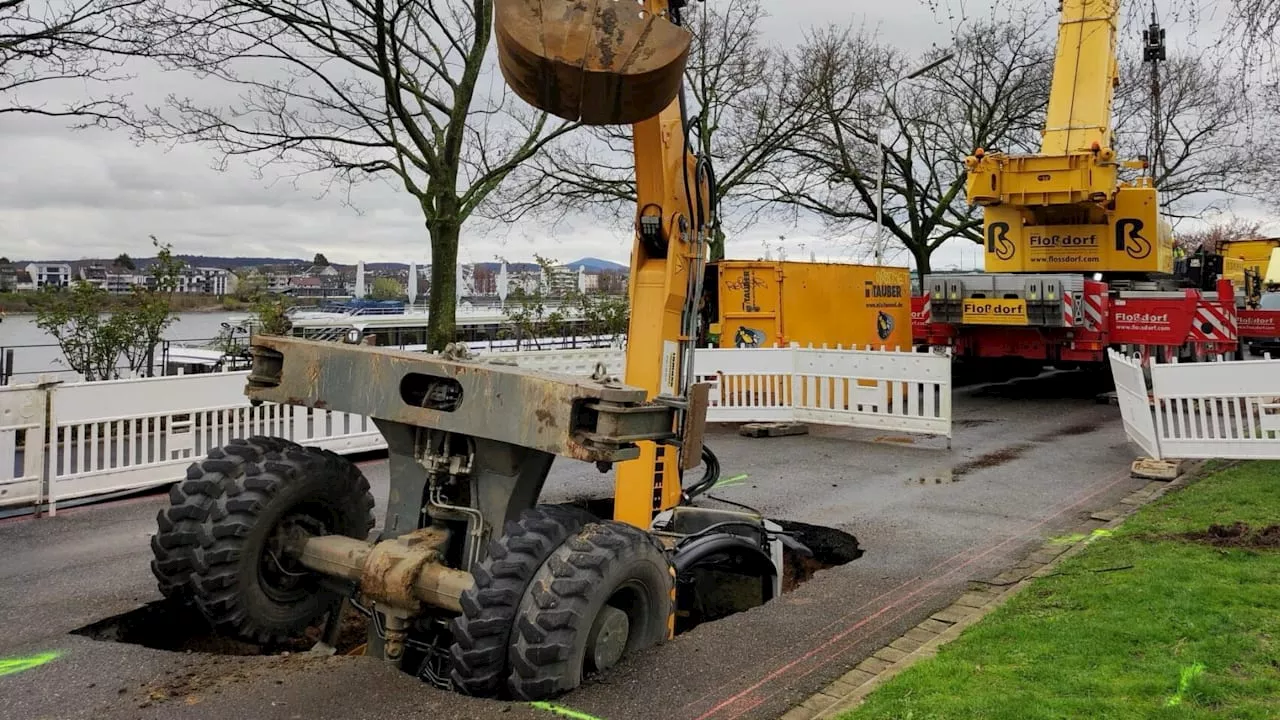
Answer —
1084 78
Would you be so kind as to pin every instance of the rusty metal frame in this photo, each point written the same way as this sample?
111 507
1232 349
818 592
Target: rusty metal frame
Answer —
576 418
470 444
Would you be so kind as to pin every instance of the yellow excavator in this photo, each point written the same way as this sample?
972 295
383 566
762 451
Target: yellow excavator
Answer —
472 583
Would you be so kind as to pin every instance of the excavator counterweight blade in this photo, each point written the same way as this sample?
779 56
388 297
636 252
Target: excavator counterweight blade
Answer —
603 62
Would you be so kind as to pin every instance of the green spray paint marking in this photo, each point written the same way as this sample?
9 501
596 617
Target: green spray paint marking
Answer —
562 710
11 666
1100 533
1188 674
730 482
1074 538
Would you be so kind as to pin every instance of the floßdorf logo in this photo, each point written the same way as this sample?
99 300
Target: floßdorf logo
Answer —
1042 240
1146 318
1129 238
998 241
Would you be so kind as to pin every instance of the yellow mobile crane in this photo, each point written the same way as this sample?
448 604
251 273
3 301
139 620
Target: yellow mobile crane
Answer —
472 583
1076 261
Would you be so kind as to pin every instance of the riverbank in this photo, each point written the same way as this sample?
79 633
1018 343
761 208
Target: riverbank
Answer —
28 303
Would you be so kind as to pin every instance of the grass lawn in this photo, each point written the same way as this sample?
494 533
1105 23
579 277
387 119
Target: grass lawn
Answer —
1143 624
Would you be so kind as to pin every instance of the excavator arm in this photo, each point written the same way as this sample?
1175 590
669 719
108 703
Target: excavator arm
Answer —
613 62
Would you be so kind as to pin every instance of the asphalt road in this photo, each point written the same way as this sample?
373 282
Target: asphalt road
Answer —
1030 459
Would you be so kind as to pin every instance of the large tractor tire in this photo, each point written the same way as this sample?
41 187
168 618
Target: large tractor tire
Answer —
219 543
482 633
606 593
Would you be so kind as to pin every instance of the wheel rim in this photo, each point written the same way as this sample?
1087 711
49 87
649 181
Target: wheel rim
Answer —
280 574
620 625
607 640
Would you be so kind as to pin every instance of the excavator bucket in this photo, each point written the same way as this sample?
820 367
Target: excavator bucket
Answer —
603 62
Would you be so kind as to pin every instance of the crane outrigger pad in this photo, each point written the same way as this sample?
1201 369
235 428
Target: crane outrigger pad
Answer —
603 62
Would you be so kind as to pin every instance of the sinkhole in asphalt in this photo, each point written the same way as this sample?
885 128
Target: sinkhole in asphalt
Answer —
177 627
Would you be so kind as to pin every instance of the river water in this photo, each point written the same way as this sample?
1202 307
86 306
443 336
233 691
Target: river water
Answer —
35 352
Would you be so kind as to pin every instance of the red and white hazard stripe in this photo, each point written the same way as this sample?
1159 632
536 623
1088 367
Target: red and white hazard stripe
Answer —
1213 324
926 312
1068 310
1093 311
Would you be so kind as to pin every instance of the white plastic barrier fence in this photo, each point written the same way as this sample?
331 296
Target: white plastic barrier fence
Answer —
68 441
882 389
1228 409
567 362
1135 410
132 434
747 384
22 424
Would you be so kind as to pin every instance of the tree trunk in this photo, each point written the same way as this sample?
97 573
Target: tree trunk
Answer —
921 252
442 300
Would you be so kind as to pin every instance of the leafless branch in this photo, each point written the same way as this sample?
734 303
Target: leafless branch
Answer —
47 44
354 90
991 95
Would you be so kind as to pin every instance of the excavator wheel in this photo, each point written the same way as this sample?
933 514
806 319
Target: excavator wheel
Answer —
607 592
219 543
482 633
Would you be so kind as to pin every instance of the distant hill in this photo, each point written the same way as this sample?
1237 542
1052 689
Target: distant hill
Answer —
596 264
511 267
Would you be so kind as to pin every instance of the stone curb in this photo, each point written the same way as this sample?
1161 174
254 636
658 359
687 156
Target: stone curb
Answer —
923 640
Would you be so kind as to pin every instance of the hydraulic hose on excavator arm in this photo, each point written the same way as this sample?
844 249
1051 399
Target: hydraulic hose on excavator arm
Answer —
610 62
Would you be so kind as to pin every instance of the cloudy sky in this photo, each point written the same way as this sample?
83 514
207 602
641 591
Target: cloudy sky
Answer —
68 195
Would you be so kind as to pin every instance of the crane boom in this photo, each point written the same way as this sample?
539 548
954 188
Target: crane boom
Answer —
1076 259
1085 75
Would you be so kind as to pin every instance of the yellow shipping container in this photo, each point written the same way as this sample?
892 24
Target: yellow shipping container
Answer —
761 303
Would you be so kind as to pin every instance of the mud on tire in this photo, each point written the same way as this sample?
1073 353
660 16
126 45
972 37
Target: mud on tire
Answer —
606 562
214 545
482 633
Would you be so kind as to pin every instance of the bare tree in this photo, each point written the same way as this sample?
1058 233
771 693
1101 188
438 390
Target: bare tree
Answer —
48 43
355 89
1257 22
745 106
1198 138
991 95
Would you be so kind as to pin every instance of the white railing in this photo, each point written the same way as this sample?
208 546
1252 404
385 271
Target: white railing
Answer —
1227 409
566 362
133 434
877 389
64 441
22 426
